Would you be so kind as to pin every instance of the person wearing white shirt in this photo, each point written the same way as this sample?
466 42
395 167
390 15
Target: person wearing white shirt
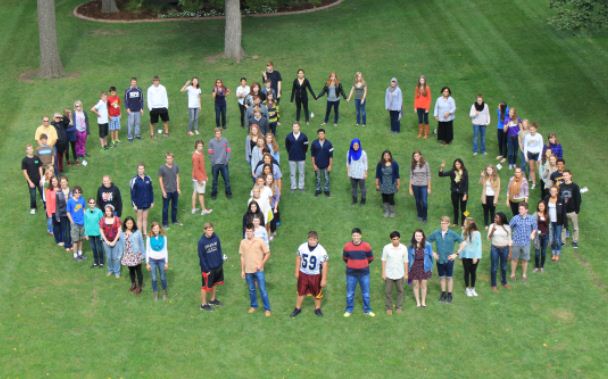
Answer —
394 271
242 92
480 118
533 148
445 110
158 105
193 89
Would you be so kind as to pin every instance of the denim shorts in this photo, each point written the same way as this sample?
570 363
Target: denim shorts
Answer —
445 270
520 252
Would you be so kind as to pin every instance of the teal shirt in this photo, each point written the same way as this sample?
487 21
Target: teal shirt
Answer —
445 244
472 249
91 222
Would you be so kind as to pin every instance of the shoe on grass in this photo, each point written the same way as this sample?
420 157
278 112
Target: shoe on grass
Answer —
319 312
206 308
216 303
295 312
347 314
370 314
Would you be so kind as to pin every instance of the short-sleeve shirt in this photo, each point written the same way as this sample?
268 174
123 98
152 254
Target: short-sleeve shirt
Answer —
311 261
31 166
45 153
193 97
76 210
252 252
275 78
169 176
114 106
396 259
102 109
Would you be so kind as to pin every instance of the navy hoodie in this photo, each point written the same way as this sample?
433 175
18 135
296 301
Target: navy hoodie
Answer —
210 253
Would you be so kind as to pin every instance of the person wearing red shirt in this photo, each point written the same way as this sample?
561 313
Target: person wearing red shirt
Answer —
114 104
199 178
422 104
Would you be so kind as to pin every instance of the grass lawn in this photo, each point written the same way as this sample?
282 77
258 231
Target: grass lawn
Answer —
59 318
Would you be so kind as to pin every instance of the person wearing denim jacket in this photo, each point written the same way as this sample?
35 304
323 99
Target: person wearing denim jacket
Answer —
420 263
131 238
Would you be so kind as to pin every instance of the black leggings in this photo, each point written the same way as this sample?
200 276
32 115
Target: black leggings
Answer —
299 104
489 210
136 271
470 272
457 203
242 109
501 136
72 146
388 198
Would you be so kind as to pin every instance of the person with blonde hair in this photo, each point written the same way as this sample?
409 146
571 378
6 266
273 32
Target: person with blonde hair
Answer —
359 90
517 190
490 189
333 89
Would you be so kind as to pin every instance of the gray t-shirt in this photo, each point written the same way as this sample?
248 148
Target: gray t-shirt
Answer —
331 94
169 176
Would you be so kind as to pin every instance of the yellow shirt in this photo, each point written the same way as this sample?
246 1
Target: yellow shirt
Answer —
50 132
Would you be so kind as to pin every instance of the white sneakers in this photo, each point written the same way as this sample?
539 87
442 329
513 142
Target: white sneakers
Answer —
470 292
206 211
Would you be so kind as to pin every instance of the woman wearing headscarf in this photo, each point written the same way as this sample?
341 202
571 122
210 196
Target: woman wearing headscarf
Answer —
393 103
356 169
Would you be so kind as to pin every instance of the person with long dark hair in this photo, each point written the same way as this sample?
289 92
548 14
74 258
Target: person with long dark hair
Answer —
470 254
445 110
133 253
512 124
420 263
501 135
299 92
480 118
193 88
541 241
388 181
499 235
253 210
420 184
422 105
109 227
459 188
220 92
558 220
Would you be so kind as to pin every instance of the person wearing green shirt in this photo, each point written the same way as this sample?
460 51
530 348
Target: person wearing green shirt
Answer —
444 240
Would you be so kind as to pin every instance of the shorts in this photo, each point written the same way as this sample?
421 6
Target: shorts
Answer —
520 252
163 113
310 285
533 156
77 232
198 187
103 130
212 278
445 270
114 123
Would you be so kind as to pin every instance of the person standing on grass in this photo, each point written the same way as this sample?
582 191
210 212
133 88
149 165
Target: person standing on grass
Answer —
357 254
157 259
219 152
541 241
557 177
48 197
114 105
254 255
62 222
311 273
512 124
169 180
420 184
211 260
499 235
420 262
480 118
61 146
356 170
31 167
199 178
533 148
459 188
490 189
47 129
273 147
242 93
299 91
470 254
322 157
422 105
501 134
388 181
554 145
193 88
142 195
44 152
558 219
101 110
134 103
524 229
70 130
276 81
251 141
394 271
444 240
547 167
274 115
109 194
570 194
393 103
92 233
517 191
158 105
445 111
133 253
296 144
359 90
219 93
110 228
50 194
333 88
81 125
75 213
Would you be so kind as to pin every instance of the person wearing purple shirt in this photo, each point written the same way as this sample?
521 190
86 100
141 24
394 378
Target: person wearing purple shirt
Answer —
511 127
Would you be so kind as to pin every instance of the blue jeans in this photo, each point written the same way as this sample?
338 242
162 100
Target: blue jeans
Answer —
253 298
395 122
556 238
171 197
158 264
113 255
421 196
540 254
522 163
193 114
97 249
351 286
32 192
49 226
320 175
361 113
512 147
220 115
498 255
479 132
61 231
215 170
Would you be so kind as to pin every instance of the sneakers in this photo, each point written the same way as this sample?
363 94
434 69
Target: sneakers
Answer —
196 132
327 193
468 292
449 298
443 297
473 292
535 269
194 210
267 313
533 185
475 154
216 303
317 192
574 245
33 211
206 211
251 310
370 314
296 311
206 308
347 314
108 273
318 312
362 201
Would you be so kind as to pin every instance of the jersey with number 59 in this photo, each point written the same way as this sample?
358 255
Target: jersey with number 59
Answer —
311 261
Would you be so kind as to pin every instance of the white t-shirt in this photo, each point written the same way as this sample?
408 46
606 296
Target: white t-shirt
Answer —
311 262
242 93
193 97
489 188
102 109
395 258
261 233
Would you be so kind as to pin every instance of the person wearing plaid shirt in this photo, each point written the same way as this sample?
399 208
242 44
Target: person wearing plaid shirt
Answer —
524 229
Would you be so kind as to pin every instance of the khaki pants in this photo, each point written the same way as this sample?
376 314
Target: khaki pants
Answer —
388 292
572 220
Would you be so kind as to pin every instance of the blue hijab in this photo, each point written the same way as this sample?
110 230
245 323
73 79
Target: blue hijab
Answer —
352 153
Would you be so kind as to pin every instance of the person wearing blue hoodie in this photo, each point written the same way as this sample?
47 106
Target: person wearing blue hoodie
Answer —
142 196
296 144
211 260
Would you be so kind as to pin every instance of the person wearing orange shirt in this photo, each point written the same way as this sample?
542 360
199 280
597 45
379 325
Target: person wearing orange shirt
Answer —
199 178
422 104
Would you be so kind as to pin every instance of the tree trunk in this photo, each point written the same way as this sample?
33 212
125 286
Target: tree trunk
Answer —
50 62
232 36
109 6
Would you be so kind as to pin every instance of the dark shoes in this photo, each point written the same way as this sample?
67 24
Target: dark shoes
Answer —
296 311
318 312
216 303
449 298
206 307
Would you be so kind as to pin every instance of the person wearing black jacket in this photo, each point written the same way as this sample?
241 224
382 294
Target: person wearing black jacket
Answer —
333 89
570 194
109 194
62 143
253 210
559 220
459 187
300 94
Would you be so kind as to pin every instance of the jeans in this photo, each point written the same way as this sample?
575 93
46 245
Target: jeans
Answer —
556 238
134 125
458 203
479 132
489 210
361 113
470 272
421 196
498 256
501 137
296 167
113 255
220 115
32 192
358 184
216 169
395 122
336 106
97 249
61 231
540 254
114 123
512 147
193 119
253 298
171 197
351 286
423 116
299 104
158 264
320 175
49 226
